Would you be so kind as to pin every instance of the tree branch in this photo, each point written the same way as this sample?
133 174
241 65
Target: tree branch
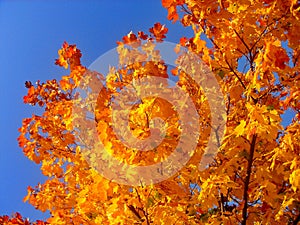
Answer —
247 181
143 210
250 58
297 220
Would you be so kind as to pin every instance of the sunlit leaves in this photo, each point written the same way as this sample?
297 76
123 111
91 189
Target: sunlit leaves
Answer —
171 5
69 55
295 180
275 54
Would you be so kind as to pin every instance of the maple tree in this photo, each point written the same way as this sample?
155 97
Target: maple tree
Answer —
252 47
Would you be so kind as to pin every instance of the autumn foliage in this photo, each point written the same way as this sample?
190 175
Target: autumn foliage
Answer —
18 219
252 47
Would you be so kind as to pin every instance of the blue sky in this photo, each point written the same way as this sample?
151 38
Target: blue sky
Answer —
30 35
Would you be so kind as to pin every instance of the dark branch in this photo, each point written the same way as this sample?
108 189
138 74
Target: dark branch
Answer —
247 180
297 220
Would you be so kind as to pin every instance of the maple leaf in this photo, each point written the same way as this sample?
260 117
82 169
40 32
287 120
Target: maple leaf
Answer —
159 31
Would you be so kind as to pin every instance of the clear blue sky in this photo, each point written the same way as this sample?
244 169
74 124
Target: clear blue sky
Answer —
31 32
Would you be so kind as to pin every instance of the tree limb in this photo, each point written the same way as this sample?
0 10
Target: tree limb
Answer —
247 181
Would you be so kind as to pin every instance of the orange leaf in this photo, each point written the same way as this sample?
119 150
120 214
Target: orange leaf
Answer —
159 31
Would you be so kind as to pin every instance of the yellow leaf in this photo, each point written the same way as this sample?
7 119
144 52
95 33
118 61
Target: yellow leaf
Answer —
295 180
240 129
